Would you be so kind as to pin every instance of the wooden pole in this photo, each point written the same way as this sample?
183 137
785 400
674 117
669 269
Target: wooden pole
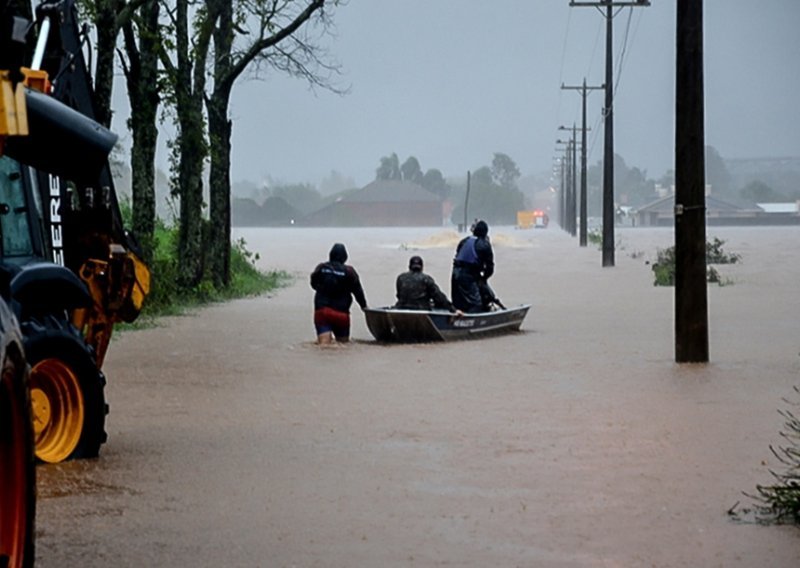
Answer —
691 289
608 148
466 204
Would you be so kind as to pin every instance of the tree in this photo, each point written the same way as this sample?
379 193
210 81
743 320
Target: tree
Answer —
717 175
504 171
186 78
269 36
411 170
141 74
759 192
482 176
631 184
389 168
490 201
667 180
108 17
434 181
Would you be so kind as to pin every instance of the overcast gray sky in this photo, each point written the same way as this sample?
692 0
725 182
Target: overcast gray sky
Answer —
453 81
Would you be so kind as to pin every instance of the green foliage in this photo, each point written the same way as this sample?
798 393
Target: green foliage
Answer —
411 170
434 181
246 279
389 168
760 192
631 185
780 503
505 172
126 210
715 254
595 236
168 298
664 266
495 204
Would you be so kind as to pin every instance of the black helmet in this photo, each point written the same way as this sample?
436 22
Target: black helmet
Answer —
415 263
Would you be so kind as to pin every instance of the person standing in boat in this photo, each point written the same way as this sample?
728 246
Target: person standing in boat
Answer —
418 291
472 268
335 284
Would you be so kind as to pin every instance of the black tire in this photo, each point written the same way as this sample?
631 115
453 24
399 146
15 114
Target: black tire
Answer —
17 471
56 341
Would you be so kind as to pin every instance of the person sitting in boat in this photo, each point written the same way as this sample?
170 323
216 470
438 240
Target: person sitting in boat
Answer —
335 284
418 291
472 268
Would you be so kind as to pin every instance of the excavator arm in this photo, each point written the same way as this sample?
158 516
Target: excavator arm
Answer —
69 151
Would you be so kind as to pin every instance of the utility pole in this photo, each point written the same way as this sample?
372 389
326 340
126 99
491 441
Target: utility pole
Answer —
608 114
573 185
584 222
563 194
570 179
466 204
572 146
558 168
691 289
564 189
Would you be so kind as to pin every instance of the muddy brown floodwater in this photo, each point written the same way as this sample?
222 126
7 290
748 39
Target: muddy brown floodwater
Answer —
235 441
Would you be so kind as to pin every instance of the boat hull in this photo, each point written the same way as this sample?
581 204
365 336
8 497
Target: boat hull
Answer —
419 326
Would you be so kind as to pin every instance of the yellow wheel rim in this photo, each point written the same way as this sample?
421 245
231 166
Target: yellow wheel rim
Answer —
58 410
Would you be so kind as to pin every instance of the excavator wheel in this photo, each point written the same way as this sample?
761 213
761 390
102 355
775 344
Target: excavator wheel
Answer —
67 393
17 473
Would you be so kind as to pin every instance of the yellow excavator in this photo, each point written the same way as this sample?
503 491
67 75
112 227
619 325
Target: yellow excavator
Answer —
69 271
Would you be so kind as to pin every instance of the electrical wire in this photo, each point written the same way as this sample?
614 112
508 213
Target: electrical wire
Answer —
563 58
623 51
594 49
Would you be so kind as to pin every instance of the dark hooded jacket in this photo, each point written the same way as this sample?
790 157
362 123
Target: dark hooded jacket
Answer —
336 283
472 267
475 254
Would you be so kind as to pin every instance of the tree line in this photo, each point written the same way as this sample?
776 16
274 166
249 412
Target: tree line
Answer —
182 58
494 193
633 187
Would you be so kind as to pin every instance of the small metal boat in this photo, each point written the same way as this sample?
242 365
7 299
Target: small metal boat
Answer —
418 326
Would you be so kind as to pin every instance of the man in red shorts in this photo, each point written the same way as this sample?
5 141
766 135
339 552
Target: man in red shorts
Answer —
335 284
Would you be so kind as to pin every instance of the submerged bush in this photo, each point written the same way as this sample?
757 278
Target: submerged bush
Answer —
780 503
664 266
715 254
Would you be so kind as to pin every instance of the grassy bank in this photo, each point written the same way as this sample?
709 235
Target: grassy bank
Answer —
167 298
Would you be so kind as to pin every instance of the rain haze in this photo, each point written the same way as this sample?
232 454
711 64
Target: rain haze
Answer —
451 82
577 441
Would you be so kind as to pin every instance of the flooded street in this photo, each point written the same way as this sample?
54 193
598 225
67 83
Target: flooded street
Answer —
235 441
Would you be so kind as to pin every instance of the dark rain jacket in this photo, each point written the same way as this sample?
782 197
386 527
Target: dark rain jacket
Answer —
472 267
336 284
475 254
418 291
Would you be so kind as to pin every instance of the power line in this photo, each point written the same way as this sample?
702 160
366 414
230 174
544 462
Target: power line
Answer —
563 58
621 59
608 111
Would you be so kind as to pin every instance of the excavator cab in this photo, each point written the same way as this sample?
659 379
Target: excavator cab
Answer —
70 268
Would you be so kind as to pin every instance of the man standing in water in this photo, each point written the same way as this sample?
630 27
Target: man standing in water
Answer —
472 267
335 284
418 291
